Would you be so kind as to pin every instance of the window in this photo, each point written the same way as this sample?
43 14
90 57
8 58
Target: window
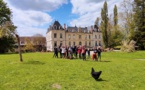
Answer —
79 36
96 36
74 36
69 43
60 43
60 35
55 35
55 43
69 36
74 43
22 42
86 37
89 43
80 43
99 43
86 43
99 37
96 44
89 37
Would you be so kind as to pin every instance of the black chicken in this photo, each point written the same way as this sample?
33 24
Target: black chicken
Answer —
95 75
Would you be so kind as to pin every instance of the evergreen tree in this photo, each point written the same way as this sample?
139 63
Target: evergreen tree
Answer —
104 24
115 16
139 17
6 28
116 34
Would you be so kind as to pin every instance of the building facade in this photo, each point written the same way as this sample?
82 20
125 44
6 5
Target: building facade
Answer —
70 36
38 43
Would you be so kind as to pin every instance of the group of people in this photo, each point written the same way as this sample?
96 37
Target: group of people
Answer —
80 52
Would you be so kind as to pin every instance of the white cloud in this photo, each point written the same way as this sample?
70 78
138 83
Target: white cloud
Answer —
30 18
41 5
29 15
89 10
30 31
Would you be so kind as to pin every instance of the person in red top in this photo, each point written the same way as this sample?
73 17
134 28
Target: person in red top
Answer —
79 51
95 54
83 53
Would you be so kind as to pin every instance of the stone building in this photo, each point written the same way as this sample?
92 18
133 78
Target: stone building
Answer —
68 36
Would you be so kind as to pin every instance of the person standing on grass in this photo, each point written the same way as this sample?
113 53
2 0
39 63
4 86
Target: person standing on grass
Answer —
60 50
99 50
67 55
55 52
88 51
79 51
70 52
95 54
63 50
76 51
83 52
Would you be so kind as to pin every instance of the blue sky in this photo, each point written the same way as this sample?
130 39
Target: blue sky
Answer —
34 16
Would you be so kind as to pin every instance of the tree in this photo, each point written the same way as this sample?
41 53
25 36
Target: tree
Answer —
7 29
5 13
6 44
127 21
29 45
104 23
115 16
39 42
139 17
117 36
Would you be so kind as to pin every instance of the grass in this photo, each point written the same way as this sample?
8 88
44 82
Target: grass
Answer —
39 71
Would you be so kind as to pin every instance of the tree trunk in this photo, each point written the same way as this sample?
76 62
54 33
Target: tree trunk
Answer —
19 48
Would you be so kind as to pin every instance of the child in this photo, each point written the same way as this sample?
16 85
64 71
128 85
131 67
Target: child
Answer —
95 55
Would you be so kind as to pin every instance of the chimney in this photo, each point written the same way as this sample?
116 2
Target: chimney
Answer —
91 30
64 26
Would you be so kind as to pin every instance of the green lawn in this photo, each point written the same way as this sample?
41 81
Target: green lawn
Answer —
39 71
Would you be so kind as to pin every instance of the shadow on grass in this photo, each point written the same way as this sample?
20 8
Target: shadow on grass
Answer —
35 62
97 61
100 79
105 61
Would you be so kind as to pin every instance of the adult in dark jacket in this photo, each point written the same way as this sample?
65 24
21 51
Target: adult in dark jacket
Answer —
55 52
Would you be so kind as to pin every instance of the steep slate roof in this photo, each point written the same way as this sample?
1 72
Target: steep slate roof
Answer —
56 26
75 29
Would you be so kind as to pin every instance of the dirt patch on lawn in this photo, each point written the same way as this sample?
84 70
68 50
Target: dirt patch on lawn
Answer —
142 59
57 86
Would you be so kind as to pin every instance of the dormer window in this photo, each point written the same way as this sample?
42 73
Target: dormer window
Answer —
55 27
